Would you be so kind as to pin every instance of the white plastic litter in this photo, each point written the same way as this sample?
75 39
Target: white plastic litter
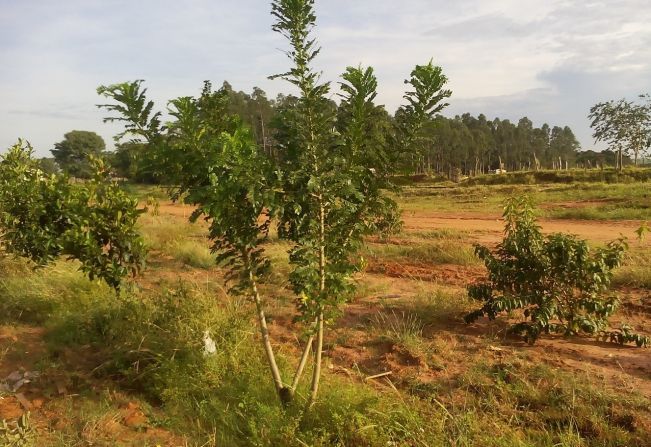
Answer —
209 346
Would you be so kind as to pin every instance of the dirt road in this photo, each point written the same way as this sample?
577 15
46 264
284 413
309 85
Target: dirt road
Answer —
488 229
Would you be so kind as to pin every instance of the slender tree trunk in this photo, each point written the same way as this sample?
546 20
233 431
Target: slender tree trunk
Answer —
264 136
316 372
301 364
621 160
266 341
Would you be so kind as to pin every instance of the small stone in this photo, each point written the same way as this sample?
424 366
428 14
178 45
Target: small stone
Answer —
19 384
14 376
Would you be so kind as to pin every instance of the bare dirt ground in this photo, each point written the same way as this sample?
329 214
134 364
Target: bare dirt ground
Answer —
55 406
614 366
350 349
489 228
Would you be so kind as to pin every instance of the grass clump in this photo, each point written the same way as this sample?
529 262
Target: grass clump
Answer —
440 306
192 253
402 328
635 271
444 252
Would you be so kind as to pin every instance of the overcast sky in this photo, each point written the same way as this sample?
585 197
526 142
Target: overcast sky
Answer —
548 60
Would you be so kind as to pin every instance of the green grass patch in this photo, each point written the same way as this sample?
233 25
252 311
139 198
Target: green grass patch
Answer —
192 253
628 175
561 201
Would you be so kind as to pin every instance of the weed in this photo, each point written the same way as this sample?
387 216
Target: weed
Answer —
18 434
399 327
439 306
192 253
444 252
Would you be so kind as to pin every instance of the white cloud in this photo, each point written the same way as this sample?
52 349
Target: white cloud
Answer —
546 60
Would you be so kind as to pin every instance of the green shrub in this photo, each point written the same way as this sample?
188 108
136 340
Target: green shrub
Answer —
556 281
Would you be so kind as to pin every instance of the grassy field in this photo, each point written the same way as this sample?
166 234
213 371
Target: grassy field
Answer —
130 369
597 201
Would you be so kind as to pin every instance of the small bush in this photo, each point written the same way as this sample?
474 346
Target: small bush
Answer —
557 282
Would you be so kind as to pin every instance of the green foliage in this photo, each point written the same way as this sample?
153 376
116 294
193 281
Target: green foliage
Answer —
43 217
48 165
628 175
132 109
33 207
73 154
21 434
336 169
327 189
213 163
133 161
334 181
557 282
624 125
625 335
424 102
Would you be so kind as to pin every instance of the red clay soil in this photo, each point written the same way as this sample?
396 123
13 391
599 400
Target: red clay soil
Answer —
53 401
450 274
489 228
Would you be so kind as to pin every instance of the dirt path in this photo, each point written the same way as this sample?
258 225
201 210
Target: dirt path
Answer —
488 228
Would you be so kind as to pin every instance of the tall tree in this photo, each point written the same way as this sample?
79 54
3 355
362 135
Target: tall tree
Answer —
74 152
624 125
335 171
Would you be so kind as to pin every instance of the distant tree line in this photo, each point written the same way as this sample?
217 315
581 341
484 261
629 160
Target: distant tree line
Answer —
464 145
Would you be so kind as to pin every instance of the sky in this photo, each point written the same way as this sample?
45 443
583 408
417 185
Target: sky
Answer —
548 60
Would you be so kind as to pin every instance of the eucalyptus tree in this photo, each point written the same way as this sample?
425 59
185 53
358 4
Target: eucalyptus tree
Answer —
624 125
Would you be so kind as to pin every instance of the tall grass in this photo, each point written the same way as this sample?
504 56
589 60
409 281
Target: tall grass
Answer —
179 239
636 271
